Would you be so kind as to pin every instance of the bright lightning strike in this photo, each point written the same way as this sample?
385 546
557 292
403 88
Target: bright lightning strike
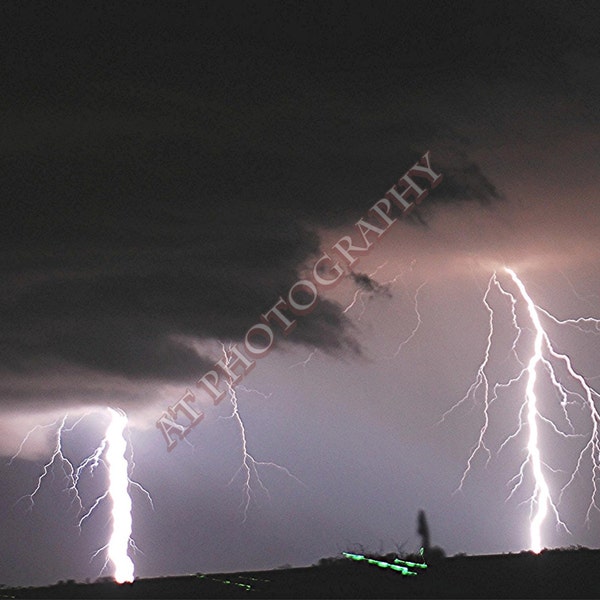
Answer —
541 495
118 491
543 358
111 454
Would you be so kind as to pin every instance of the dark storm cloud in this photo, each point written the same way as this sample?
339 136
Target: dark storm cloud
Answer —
167 169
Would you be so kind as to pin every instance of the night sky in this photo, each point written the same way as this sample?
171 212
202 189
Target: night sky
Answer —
169 170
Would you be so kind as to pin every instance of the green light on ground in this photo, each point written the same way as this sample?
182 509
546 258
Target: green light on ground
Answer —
381 564
413 565
225 581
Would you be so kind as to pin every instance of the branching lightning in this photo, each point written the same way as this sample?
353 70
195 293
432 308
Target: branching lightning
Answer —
542 359
111 454
367 288
305 361
249 465
417 326
70 473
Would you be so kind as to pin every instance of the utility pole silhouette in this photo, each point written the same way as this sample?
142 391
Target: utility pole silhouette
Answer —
423 531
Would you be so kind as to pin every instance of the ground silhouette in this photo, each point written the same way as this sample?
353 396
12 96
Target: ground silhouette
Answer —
571 573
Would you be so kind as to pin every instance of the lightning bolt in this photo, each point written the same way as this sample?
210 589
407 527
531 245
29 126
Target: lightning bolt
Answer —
367 288
70 473
543 359
111 454
417 326
305 361
249 465
118 491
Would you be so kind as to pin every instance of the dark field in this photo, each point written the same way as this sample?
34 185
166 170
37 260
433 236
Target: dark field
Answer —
551 574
